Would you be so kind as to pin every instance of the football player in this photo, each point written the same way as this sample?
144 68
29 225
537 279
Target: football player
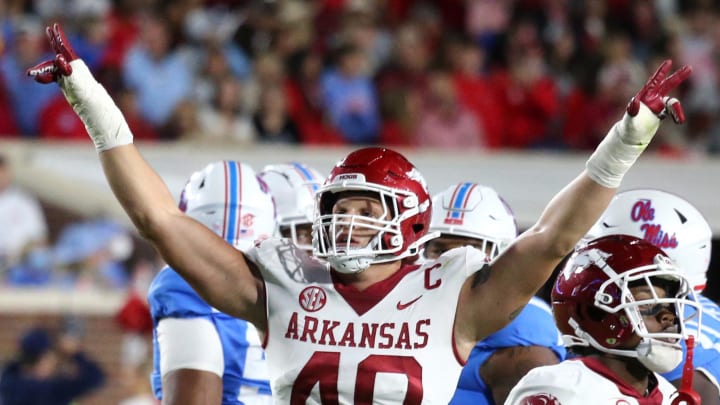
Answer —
619 300
680 230
293 186
367 329
470 214
201 355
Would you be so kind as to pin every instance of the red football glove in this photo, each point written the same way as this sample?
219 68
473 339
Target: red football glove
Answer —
654 94
50 70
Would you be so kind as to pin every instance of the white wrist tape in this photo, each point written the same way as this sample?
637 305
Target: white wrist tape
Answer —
102 118
621 147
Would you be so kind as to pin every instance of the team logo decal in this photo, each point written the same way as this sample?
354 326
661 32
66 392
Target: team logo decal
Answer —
247 222
312 298
415 174
583 261
540 399
644 213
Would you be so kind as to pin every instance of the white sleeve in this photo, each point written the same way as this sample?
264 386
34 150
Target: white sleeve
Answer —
191 343
619 150
102 118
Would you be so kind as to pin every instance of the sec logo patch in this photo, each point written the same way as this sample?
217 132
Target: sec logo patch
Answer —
312 298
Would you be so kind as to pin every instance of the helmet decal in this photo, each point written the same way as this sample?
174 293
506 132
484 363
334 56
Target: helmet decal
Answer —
415 174
665 220
233 187
293 186
230 199
307 175
643 212
458 204
474 211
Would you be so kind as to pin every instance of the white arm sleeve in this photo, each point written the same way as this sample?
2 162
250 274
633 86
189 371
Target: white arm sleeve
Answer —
102 118
191 343
624 143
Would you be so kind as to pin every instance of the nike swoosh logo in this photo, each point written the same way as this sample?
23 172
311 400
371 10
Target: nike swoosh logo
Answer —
401 306
606 225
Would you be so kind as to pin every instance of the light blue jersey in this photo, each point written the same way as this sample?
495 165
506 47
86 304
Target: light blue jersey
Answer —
706 356
172 297
534 326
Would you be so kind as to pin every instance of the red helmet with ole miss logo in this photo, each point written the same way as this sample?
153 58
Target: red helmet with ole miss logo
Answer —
402 228
594 306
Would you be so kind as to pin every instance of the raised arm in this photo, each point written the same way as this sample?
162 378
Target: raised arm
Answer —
490 299
217 271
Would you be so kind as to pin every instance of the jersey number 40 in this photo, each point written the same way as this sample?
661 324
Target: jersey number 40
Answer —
323 368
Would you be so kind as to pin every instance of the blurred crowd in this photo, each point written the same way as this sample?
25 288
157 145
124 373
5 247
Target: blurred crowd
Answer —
487 74
50 365
466 74
90 254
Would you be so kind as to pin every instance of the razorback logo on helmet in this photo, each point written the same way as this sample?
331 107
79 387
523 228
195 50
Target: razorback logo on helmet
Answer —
540 399
643 211
582 261
351 177
415 174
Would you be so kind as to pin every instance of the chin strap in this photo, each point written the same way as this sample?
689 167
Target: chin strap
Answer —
686 395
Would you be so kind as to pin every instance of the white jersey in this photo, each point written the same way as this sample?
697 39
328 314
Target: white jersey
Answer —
583 381
389 344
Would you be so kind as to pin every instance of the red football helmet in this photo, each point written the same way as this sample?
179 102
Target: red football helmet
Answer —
403 194
593 305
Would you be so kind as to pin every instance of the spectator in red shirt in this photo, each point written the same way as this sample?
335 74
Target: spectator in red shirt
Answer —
8 127
528 93
305 103
445 123
474 90
58 121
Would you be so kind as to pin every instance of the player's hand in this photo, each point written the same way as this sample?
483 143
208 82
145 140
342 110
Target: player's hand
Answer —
91 102
50 71
654 94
